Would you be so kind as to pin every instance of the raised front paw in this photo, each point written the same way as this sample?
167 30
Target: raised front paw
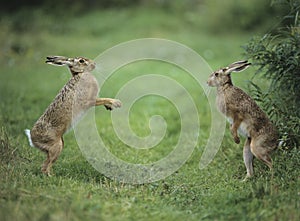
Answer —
115 103
236 139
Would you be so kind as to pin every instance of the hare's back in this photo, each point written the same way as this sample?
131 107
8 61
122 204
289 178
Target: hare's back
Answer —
245 104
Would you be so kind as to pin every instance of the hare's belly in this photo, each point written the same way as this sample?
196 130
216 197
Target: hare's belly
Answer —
242 130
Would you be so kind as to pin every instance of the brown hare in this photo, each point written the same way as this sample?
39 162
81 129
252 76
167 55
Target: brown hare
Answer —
245 117
76 97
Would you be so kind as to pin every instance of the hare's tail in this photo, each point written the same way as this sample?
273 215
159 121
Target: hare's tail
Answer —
27 132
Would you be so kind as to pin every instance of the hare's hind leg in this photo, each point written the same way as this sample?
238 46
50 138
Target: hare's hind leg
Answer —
53 151
248 158
109 103
261 152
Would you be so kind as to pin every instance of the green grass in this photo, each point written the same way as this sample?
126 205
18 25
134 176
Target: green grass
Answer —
77 191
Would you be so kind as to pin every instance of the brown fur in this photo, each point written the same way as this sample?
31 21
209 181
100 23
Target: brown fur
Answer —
76 97
244 115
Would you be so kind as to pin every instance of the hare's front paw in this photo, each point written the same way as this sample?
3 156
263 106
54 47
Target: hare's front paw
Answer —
236 139
115 103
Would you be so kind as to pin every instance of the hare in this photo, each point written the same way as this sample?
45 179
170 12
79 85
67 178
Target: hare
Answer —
244 116
76 97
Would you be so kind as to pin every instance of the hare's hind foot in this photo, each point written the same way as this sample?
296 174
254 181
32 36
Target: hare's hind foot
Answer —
46 171
53 152
247 178
45 167
248 158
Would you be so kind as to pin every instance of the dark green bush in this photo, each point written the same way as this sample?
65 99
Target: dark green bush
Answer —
277 58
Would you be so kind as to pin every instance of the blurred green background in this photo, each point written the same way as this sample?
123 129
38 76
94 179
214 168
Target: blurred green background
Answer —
215 29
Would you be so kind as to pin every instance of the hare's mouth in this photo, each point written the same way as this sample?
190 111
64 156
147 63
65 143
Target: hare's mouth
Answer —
209 83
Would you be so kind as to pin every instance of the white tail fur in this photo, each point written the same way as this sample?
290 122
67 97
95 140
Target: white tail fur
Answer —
27 132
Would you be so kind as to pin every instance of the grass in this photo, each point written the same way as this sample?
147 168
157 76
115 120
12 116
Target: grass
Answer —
77 191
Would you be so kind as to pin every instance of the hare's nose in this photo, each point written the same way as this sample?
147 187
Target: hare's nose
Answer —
93 65
209 83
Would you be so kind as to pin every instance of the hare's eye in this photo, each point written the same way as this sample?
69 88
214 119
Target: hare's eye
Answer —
216 74
81 61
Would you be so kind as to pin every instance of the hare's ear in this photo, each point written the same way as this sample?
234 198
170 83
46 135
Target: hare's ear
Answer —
58 60
237 66
234 64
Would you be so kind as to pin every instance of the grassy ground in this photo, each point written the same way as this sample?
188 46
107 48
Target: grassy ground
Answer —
79 192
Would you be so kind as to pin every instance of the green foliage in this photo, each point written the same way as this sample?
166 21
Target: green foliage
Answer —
7 153
77 191
277 57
